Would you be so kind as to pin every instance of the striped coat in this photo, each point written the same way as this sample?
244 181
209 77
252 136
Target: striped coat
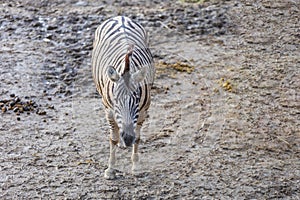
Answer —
123 72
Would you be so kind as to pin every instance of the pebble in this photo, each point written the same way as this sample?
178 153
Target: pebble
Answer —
17 99
21 109
51 106
26 108
11 104
4 109
16 109
41 112
81 3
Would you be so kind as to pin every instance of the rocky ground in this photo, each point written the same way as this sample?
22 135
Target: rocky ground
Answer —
224 121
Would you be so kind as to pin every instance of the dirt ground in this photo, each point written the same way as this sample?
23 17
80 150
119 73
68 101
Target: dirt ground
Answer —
225 116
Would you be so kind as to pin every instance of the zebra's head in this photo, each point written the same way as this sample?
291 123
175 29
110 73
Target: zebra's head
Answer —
126 98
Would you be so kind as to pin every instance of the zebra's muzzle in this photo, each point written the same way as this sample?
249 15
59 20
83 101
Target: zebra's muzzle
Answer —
127 140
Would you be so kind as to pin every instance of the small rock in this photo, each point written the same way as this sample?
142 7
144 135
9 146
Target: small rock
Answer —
51 106
51 27
21 109
41 112
81 3
4 109
11 104
17 99
26 108
16 109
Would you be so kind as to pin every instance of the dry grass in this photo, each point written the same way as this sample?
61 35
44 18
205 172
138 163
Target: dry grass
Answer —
163 67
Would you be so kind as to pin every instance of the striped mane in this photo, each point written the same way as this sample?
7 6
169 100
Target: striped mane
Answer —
127 60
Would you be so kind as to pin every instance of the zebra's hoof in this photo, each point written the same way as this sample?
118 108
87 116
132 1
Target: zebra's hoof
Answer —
109 174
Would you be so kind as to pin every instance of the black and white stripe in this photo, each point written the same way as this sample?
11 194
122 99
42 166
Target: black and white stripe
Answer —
120 54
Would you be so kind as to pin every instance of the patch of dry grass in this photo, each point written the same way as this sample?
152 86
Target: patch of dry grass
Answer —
163 67
226 84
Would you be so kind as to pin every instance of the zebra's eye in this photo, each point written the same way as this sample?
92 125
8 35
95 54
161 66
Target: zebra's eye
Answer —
111 71
112 74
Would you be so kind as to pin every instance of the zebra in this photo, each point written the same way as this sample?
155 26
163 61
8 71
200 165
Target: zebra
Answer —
123 71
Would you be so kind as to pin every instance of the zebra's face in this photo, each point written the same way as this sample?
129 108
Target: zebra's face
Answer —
126 98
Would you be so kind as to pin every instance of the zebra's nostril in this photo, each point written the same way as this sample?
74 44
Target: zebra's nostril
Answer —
122 134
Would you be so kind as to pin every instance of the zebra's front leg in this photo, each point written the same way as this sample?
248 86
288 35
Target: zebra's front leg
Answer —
110 172
135 155
135 158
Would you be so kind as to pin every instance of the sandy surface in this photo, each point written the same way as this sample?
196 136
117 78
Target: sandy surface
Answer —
225 116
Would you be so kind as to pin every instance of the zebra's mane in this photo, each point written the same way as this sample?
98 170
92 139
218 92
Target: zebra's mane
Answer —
127 60
126 72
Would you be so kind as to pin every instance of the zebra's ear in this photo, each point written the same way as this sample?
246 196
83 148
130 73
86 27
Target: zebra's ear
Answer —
139 75
112 74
